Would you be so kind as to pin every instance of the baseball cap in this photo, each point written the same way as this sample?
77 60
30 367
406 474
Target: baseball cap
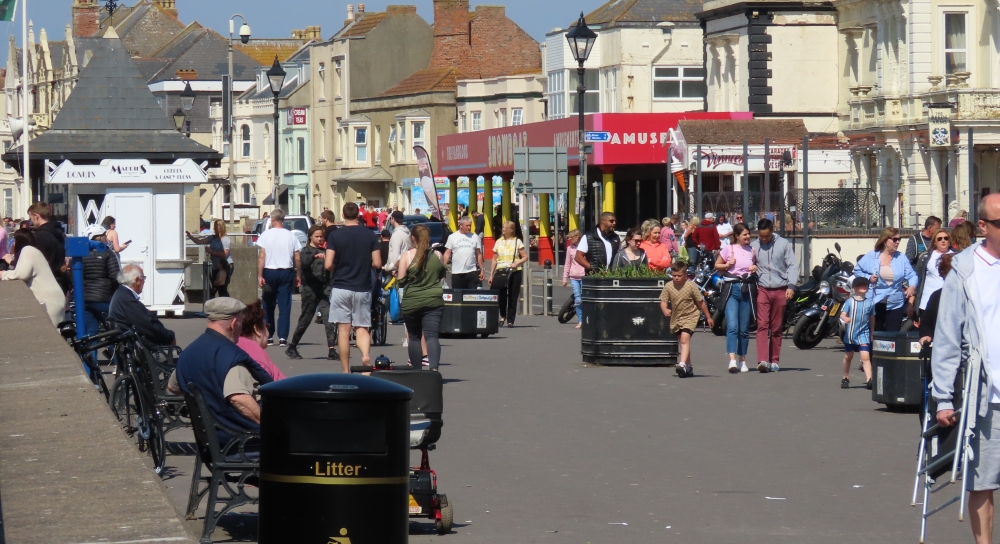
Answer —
709 215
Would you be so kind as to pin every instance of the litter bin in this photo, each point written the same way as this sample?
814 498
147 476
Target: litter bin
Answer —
334 463
896 369
468 312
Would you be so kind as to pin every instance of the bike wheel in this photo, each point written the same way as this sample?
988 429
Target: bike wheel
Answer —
127 407
157 444
383 327
568 310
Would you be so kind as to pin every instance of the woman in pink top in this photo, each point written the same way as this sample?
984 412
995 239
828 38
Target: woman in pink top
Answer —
738 264
574 273
253 340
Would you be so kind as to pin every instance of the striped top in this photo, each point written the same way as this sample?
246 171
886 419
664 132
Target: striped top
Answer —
857 331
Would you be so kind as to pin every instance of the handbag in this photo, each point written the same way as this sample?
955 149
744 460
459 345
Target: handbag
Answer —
501 276
395 313
682 255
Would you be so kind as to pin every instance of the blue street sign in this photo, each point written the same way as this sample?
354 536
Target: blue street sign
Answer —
596 136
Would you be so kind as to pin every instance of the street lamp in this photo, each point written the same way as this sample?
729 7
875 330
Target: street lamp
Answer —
187 104
228 128
276 77
581 40
179 118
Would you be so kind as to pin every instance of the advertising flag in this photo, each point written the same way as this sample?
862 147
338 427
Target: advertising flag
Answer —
7 9
426 173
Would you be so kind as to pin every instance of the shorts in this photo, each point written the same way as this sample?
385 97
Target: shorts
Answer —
985 467
352 307
851 348
689 331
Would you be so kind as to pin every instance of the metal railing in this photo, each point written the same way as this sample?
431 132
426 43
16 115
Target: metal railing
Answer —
540 290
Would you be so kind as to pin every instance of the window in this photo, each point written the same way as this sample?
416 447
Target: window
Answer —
419 136
954 43
225 194
245 135
502 118
464 126
342 139
477 121
557 96
610 90
361 145
8 203
322 82
322 139
225 150
338 78
516 117
302 154
246 193
402 141
592 98
378 145
679 82
6 147
392 144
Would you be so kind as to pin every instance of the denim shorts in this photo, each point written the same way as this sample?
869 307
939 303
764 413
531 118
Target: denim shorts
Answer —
985 467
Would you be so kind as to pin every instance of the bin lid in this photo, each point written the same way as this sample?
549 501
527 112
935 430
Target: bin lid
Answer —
335 387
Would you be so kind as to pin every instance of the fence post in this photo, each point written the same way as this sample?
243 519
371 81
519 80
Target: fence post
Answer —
697 204
805 205
547 294
767 177
746 182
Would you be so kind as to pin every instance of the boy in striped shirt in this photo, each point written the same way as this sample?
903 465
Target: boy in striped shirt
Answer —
856 315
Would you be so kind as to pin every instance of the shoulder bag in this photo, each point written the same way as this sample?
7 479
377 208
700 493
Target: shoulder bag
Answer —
501 276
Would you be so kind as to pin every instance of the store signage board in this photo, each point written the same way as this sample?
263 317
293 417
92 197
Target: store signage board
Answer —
544 167
719 158
140 172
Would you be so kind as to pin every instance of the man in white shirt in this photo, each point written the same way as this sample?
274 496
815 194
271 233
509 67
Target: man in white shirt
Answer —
966 333
467 250
279 271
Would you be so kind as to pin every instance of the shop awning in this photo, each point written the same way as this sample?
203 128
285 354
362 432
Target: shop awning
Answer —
368 174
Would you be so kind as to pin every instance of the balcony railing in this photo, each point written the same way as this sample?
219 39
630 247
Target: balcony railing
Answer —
969 104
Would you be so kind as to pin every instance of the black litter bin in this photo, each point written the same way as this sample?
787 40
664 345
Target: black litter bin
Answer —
468 312
896 369
334 461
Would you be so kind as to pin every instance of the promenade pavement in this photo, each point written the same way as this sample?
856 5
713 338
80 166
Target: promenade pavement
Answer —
538 447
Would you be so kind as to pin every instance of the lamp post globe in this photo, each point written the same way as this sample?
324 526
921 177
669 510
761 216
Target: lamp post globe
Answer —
179 117
581 40
187 97
276 77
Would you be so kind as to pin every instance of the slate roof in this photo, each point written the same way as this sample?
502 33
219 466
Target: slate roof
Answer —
735 132
426 81
637 12
204 51
111 113
144 27
376 173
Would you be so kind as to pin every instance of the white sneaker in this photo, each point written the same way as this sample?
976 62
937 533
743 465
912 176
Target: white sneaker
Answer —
762 367
774 367
733 369
743 367
406 342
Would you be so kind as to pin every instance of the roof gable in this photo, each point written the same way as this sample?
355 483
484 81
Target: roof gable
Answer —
363 25
620 12
426 81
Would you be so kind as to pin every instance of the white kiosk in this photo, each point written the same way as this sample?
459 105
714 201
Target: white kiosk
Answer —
147 202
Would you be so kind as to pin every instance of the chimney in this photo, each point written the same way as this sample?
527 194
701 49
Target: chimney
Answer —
169 6
401 10
350 14
451 34
187 74
86 18
361 8
313 33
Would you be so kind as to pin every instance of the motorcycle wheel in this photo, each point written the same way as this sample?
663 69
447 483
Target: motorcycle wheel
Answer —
804 335
568 310
719 319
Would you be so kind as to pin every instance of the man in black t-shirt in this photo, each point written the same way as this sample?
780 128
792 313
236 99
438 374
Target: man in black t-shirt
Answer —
352 251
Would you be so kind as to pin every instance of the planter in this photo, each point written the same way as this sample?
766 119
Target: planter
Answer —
623 324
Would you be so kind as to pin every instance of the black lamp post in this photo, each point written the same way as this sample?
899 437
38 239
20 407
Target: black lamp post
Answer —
581 41
187 104
276 77
179 118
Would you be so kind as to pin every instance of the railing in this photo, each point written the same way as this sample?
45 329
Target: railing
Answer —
971 104
838 208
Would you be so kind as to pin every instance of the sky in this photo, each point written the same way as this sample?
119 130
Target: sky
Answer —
537 17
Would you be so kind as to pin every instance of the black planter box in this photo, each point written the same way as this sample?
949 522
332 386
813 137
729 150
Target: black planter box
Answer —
623 324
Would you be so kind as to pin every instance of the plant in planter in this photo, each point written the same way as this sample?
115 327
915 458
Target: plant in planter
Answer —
622 321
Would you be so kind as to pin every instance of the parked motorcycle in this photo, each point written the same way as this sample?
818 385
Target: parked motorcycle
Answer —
822 318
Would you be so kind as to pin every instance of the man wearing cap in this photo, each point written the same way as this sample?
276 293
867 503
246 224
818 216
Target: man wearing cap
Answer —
227 377
100 279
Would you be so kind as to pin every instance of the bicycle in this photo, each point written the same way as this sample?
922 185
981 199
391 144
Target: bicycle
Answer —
86 347
133 401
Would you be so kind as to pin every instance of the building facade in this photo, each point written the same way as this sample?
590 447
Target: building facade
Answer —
500 102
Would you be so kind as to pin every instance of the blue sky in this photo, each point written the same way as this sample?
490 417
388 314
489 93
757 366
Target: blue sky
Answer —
535 16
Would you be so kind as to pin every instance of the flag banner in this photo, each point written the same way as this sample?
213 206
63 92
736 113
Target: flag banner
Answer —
7 9
426 173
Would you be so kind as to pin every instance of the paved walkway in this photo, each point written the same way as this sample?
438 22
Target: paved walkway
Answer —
540 448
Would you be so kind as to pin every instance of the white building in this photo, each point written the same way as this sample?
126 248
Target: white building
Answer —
499 102
648 59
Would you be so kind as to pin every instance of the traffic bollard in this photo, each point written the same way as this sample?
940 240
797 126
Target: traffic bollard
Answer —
547 294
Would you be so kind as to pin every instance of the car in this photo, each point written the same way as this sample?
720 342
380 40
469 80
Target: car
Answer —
298 224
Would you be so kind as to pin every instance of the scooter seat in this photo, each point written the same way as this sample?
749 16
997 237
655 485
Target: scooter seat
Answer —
809 285
424 431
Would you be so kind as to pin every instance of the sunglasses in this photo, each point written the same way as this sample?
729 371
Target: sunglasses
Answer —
896 239
636 239
994 222
942 239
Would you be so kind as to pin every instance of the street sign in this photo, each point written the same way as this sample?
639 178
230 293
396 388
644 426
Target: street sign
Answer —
541 167
599 137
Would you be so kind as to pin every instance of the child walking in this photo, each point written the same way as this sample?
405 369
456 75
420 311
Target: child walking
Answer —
856 314
680 300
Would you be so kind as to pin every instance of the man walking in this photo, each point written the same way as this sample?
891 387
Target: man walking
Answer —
329 223
967 333
597 248
50 240
279 271
919 243
399 242
777 273
352 252
467 250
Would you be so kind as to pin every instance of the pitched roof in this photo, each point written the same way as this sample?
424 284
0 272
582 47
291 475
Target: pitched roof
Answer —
427 81
363 25
112 113
204 51
264 51
636 12
145 27
735 132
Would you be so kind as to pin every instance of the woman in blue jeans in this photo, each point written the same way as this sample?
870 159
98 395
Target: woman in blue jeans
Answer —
739 266
573 273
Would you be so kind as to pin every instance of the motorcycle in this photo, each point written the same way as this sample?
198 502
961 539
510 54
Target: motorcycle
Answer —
822 318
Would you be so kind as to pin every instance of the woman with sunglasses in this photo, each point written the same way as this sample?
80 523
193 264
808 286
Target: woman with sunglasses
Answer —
888 269
657 252
927 267
631 254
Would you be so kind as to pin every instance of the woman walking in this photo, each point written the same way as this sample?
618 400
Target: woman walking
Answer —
315 291
222 263
888 269
573 273
927 268
631 254
508 256
420 272
28 264
657 253
112 233
739 291
689 243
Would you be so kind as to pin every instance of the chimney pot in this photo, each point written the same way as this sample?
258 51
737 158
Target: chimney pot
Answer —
350 12
361 8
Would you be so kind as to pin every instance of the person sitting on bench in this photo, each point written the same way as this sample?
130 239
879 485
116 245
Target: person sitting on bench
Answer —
126 308
227 376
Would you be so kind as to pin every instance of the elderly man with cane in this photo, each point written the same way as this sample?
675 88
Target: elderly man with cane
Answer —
966 334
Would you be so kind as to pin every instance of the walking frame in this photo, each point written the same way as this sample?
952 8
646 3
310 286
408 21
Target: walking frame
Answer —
930 466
